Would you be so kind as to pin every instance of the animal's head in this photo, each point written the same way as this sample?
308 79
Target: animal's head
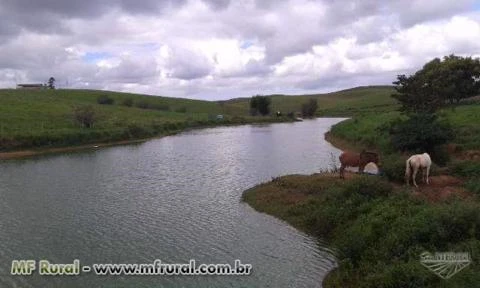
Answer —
367 157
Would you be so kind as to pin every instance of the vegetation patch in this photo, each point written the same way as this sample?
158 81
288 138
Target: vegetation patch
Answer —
378 231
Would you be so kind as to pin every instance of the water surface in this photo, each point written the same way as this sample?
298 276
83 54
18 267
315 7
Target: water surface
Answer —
175 198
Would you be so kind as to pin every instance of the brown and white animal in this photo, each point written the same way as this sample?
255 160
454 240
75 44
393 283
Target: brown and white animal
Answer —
416 162
351 159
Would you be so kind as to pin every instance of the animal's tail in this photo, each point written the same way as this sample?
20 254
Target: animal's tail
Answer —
408 169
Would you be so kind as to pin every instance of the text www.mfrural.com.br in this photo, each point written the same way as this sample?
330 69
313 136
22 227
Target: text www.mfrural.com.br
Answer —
46 268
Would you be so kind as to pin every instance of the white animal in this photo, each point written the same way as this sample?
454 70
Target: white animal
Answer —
415 162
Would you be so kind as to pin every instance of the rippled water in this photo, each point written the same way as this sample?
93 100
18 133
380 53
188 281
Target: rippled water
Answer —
175 198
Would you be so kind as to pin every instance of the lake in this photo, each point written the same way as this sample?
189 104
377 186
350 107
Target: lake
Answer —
174 198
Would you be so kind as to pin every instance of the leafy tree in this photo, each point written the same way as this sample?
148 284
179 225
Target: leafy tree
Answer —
309 108
51 83
260 104
437 83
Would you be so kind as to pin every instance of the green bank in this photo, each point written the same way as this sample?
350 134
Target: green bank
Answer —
377 230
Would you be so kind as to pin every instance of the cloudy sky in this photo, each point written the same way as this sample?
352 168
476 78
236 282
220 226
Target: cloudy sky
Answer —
219 49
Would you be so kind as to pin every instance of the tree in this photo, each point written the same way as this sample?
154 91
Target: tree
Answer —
84 115
260 104
51 83
439 82
309 108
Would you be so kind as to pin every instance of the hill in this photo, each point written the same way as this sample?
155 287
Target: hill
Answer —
349 102
44 118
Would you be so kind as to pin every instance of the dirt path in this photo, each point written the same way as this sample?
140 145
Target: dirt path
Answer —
441 188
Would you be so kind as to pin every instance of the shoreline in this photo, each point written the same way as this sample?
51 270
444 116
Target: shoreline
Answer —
20 154
45 150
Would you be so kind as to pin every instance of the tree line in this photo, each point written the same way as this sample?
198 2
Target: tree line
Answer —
260 105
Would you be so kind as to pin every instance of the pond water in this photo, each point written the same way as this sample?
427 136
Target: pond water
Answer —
175 198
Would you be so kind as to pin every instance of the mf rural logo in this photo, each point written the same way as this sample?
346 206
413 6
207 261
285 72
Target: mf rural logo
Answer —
445 264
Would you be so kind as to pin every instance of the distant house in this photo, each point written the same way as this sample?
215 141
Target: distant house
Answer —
30 86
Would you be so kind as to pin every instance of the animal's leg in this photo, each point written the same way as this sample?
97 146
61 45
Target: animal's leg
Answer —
428 173
415 170
361 168
407 172
424 175
342 170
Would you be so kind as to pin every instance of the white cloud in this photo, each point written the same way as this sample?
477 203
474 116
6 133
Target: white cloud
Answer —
219 49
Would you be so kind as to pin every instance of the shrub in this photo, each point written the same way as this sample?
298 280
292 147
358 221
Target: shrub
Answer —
467 169
473 185
309 108
182 109
135 130
369 186
260 104
127 102
105 100
84 115
393 167
160 106
440 155
142 104
420 133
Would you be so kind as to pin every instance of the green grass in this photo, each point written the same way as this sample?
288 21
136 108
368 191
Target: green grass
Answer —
371 130
350 102
378 232
465 120
44 118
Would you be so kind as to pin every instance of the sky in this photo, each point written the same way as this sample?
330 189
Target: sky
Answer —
221 49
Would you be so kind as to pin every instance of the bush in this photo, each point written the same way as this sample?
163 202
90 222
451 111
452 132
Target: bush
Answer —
420 133
393 167
105 100
369 186
440 155
309 108
142 104
260 104
473 185
181 110
134 130
127 102
84 115
160 106
467 169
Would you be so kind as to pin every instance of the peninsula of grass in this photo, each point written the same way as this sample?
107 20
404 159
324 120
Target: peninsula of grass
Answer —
377 230
376 226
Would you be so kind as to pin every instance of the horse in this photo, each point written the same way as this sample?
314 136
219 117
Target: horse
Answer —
415 162
350 159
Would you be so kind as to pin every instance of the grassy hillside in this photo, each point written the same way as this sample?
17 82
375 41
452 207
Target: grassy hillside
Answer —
355 101
44 118
371 130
